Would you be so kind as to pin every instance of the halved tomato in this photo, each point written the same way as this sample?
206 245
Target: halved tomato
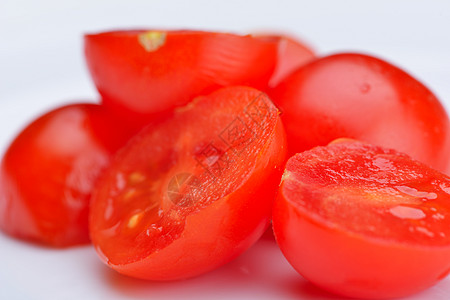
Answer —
48 172
195 191
364 221
143 74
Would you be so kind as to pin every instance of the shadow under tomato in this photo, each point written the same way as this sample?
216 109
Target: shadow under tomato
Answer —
268 234
260 273
310 291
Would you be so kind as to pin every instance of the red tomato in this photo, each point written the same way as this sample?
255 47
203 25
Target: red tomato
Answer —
364 221
141 74
292 54
362 97
48 172
194 192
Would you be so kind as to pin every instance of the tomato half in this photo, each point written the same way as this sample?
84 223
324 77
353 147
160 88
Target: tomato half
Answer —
362 97
364 221
48 172
292 54
141 74
195 191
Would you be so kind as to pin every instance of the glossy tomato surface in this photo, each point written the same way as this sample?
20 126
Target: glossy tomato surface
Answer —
141 74
193 193
364 221
48 172
362 97
292 54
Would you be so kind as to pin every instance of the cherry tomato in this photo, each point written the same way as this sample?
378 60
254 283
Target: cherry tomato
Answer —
195 191
362 97
292 54
364 221
48 172
143 74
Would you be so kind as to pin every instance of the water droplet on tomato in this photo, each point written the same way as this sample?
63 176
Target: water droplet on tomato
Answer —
438 216
406 212
160 213
383 164
416 193
444 187
424 231
364 88
153 229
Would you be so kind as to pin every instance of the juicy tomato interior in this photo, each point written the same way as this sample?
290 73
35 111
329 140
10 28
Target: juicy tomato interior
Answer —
48 172
358 96
364 221
207 152
361 188
141 74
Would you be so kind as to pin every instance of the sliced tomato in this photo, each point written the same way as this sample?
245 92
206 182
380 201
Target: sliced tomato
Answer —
48 172
194 192
365 98
292 54
364 221
143 74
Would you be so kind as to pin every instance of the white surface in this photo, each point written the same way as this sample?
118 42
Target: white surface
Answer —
41 66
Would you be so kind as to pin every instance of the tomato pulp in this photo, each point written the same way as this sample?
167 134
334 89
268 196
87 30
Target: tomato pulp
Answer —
194 192
364 221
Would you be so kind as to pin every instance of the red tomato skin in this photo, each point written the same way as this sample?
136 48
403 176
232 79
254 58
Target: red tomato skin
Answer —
292 54
48 172
348 265
140 84
242 224
351 264
358 96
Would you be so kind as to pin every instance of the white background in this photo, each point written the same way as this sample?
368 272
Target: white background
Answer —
41 66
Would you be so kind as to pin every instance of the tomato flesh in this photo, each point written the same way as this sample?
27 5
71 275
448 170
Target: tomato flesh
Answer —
144 74
365 98
190 194
48 172
364 221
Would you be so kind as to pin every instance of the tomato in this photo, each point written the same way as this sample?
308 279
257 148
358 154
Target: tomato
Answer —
48 172
144 74
192 193
362 97
364 221
292 54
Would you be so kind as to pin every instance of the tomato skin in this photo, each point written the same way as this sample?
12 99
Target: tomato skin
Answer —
352 266
142 84
214 233
48 172
292 54
349 263
362 97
